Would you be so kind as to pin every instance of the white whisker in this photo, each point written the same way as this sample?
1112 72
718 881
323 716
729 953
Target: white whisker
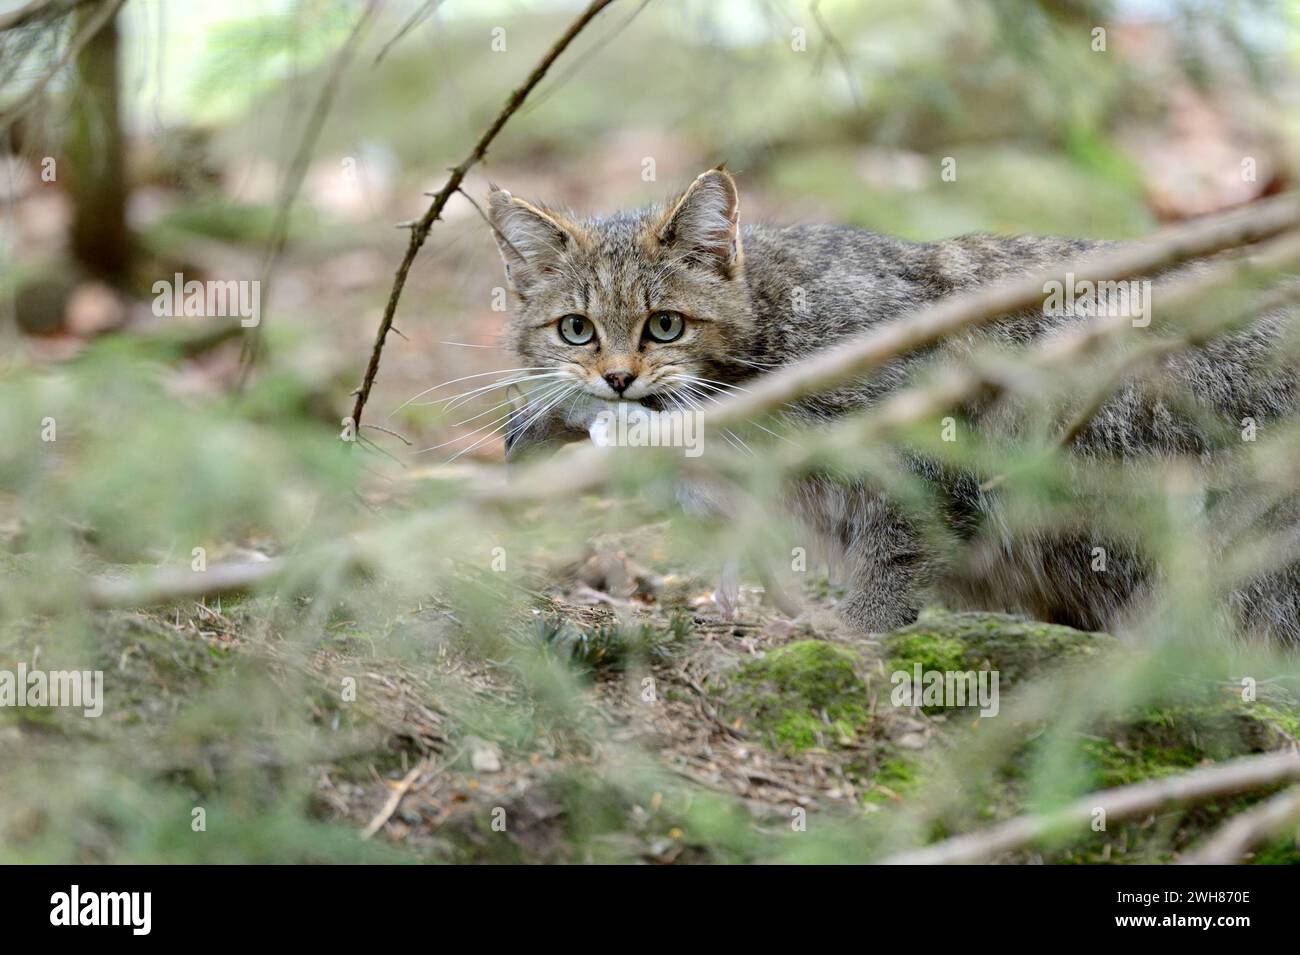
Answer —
455 401
484 374
479 430
695 391
729 436
565 389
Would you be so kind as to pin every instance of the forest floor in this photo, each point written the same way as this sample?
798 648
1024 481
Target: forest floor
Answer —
628 718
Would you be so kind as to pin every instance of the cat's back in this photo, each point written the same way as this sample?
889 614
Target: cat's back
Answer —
964 260
855 276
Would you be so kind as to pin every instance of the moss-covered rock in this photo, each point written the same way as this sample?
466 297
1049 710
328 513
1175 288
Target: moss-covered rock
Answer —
1017 648
805 694
1167 741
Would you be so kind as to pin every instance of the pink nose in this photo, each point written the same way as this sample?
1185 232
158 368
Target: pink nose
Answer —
619 380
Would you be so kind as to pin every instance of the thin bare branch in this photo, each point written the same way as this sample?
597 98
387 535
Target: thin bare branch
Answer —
838 51
420 229
420 14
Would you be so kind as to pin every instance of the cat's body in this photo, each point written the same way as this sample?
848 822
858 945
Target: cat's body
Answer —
749 300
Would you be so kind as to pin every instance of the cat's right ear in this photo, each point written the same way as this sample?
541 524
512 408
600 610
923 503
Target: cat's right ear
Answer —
532 240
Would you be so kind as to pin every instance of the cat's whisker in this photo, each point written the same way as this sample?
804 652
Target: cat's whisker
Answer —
541 396
483 374
565 390
495 407
695 390
482 428
729 436
455 401
714 383
463 421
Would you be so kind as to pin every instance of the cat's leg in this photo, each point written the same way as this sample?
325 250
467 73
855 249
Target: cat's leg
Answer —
1269 605
889 568
1074 578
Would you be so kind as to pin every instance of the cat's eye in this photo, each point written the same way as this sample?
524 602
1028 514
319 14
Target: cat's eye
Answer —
577 329
665 326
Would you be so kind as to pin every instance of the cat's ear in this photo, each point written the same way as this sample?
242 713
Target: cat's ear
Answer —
702 223
532 240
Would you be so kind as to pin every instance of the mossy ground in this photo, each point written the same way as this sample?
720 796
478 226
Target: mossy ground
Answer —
804 694
816 696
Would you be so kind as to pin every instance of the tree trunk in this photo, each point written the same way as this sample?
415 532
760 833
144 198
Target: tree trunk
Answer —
96 153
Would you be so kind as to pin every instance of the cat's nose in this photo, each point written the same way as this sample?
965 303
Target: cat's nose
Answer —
619 380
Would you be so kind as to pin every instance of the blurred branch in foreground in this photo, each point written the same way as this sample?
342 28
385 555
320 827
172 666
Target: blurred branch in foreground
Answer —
91 23
37 11
1250 830
589 468
1128 802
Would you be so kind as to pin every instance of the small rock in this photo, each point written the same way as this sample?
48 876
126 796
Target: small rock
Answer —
484 756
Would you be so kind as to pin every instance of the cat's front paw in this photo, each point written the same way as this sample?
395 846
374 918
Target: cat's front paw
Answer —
872 613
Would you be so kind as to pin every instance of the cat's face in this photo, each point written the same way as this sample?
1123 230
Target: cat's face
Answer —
647 306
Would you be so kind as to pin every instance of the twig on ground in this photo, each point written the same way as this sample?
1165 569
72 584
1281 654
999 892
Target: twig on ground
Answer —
707 708
395 798
1247 774
420 229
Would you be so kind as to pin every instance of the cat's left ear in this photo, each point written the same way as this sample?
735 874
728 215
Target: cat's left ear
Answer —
703 223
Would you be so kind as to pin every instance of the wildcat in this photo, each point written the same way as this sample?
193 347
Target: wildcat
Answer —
666 306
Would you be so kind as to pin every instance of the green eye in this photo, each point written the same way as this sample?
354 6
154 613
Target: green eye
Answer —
665 326
577 330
